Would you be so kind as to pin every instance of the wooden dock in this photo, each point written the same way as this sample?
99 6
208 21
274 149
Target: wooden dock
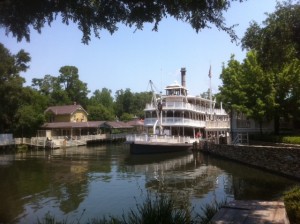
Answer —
252 212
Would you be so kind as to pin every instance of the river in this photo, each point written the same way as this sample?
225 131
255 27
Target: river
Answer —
81 183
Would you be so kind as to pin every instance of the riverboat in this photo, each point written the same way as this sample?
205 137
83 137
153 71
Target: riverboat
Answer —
175 120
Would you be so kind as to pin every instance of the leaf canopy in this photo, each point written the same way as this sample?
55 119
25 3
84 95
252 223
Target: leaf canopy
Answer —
18 16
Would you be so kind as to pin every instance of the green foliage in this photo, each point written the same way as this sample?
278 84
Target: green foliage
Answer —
99 113
102 97
292 204
276 138
210 210
17 17
291 139
50 219
160 210
101 105
126 117
155 209
127 102
248 89
11 86
65 89
75 89
277 45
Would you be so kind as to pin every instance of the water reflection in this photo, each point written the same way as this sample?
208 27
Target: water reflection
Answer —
82 183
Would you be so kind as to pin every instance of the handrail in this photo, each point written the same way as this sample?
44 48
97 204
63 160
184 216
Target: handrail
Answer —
241 138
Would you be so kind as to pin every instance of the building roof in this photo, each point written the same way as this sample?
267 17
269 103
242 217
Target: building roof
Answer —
66 109
136 122
115 124
88 124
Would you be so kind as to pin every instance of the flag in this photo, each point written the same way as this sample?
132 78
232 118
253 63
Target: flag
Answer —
209 73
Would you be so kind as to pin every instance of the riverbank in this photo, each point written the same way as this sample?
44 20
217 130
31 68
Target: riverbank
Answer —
281 159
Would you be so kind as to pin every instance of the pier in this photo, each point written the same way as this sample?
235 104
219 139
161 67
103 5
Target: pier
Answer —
252 212
64 141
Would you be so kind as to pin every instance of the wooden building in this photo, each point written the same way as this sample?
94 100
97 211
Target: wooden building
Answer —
72 121
66 113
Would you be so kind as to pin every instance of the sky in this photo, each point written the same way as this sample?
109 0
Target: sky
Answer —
129 58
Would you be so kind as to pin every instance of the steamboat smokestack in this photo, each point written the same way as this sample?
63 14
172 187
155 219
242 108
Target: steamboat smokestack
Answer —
183 71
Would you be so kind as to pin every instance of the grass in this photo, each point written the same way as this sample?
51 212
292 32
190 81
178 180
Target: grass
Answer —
160 209
287 139
210 210
292 204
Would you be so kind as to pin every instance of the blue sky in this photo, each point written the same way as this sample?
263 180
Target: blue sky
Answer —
129 59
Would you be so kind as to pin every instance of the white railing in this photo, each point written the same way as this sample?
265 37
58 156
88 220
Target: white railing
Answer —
175 121
180 121
64 141
217 124
187 106
161 139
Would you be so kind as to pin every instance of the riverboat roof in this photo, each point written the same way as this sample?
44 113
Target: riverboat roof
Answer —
175 85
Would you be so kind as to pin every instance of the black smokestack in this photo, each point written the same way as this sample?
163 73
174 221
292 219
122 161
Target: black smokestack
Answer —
183 71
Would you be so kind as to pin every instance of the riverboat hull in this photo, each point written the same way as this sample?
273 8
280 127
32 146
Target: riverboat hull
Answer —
158 147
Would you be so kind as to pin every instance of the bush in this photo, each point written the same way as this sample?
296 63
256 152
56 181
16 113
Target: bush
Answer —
275 138
209 211
292 204
291 139
160 210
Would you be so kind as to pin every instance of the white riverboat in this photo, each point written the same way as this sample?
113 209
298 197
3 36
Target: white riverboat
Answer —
175 120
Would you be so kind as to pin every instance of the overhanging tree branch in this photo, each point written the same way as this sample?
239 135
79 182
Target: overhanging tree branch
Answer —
18 16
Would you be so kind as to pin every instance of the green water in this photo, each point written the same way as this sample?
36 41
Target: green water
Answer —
81 183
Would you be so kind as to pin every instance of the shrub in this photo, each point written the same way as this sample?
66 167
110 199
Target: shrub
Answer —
292 204
160 209
291 139
209 210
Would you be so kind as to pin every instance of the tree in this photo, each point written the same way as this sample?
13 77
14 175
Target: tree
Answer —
19 15
231 91
123 102
65 89
248 89
259 90
102 97
11 84
205 94
99 113
75 89
277 44
45 85
139 102
129 105
30 113
101 105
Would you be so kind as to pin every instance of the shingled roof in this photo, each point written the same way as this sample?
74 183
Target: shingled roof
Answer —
62 110
115 124
88 124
